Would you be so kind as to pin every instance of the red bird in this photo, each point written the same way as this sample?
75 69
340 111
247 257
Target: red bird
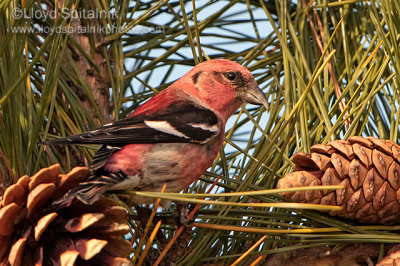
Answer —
171 139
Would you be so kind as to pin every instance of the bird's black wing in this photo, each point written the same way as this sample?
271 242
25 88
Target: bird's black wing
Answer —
178 123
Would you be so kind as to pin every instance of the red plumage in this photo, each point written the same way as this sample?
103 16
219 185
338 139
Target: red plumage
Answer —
172 138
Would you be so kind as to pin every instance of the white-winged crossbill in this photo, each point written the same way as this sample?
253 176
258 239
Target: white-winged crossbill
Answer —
172 138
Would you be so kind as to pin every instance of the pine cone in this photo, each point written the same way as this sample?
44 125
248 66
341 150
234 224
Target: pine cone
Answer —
369 170
392 257
34 233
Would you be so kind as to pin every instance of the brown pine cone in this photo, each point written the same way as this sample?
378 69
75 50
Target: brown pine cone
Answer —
369 170
349 255
392 257
33 233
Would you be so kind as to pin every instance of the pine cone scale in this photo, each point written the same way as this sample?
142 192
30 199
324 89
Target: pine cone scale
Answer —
15 194
364 154
367 168
393 175
340 164
64 252
381 162
45 175
17 251
322 161
7 214
33 231
81 223
88 248
357 173
110 230
343 147
43 223
39 196
118 247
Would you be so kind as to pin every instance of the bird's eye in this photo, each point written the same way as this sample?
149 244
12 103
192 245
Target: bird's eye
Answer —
231 75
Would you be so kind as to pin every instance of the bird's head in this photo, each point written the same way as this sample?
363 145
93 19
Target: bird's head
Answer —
225 85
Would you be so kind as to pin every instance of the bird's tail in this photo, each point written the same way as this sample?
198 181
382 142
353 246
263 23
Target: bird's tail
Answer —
92 189
87 192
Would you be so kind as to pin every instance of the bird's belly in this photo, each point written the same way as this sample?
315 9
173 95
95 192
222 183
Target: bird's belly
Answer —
130 182
175 164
